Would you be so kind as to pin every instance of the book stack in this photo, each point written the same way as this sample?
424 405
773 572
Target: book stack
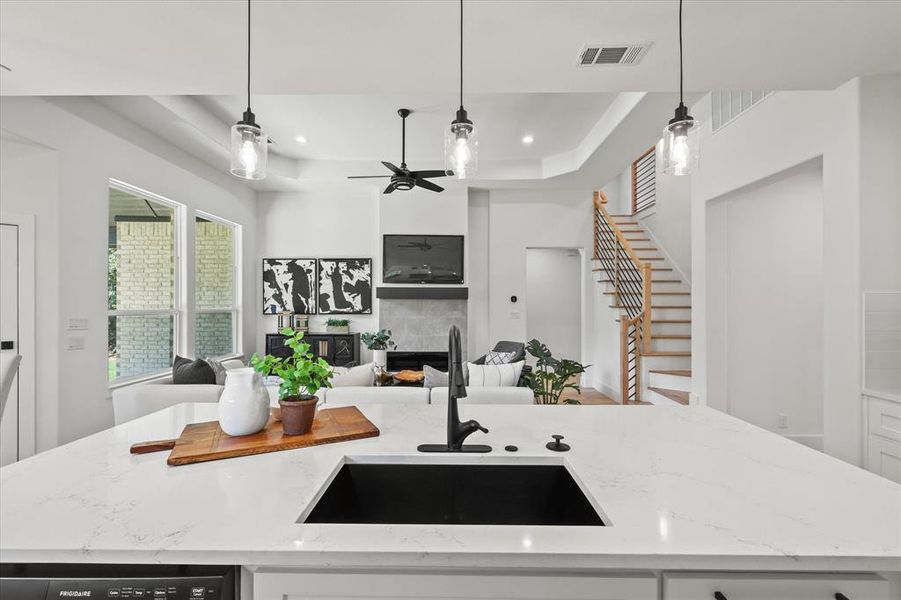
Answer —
300 323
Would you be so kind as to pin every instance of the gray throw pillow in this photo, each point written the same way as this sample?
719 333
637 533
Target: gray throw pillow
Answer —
221 367
192 372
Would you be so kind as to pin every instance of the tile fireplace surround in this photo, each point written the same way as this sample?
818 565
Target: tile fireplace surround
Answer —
422 325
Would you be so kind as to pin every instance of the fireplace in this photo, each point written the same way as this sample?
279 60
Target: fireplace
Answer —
419 326
416 360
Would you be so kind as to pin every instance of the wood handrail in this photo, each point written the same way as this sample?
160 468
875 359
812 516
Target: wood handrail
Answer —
600 199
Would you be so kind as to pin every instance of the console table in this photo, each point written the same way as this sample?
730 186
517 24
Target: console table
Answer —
338 349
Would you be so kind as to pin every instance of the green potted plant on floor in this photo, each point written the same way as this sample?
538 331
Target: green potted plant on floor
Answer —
302 375
551 376
379 342
337 326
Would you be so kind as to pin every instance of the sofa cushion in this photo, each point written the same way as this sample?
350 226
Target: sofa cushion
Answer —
487 395
345 396
137 400
192 372
359 376
494 375
437 378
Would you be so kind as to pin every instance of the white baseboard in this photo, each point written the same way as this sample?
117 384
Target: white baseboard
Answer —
606 389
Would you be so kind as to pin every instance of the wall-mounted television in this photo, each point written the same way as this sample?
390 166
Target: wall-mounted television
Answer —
433 259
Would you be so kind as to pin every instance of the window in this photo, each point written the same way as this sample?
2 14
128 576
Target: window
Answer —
142 282
644 181
216 281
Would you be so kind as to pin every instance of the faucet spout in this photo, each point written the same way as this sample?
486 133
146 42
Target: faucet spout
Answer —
457 432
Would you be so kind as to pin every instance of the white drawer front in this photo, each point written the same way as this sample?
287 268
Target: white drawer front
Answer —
884 457
884 418
300 585
773 586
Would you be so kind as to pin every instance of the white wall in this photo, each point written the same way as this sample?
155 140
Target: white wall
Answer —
519 219
479 335
765 293
29 185
81 132
554 299
669 221
334 223
786 130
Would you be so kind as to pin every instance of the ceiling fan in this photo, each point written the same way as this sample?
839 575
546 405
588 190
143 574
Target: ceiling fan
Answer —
404 179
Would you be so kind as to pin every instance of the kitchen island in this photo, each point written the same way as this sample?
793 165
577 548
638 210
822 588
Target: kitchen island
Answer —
684 492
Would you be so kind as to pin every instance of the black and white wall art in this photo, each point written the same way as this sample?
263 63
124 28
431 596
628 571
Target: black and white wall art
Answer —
345 286
289 285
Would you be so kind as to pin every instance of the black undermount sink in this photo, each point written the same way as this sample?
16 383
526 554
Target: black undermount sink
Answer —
448 494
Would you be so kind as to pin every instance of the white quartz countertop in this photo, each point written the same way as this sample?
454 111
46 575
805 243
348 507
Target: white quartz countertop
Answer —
682 487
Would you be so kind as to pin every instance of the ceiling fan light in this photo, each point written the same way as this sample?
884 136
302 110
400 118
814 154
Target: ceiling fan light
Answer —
249 151
461 149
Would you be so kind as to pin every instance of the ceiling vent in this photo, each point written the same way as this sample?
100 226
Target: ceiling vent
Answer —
596 54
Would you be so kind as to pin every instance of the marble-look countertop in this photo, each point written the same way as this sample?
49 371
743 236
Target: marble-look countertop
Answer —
682 487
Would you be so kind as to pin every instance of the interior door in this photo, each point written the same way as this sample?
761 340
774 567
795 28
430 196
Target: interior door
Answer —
9 336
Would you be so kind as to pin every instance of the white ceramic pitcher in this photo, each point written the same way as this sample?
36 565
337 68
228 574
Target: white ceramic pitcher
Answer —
244 403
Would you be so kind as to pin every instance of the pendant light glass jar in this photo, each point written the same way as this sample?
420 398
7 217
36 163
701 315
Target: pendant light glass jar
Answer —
679 150
249 143
461 139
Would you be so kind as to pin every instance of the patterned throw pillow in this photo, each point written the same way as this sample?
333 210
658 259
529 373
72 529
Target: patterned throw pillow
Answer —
499 358
494 375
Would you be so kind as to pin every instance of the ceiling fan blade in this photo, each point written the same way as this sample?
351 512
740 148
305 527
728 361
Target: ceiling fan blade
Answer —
368 176
389 189
429 185
425 174
391 167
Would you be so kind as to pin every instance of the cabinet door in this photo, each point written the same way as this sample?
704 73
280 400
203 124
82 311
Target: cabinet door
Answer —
884 457
772 586
344 350
299 585
275 345
321 346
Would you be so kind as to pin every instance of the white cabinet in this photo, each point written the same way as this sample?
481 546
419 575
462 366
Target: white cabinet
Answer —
774 586
355 585
883 436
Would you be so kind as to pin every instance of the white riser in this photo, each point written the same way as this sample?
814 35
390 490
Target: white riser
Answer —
670 382
665 345
665 362
671 313
659 300
671 328
655 398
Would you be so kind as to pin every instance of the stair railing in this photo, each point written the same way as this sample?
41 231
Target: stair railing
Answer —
631 279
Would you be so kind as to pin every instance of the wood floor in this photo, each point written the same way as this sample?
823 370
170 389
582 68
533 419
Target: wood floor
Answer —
589 396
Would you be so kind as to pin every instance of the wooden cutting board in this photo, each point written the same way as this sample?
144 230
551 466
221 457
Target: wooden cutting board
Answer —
201 442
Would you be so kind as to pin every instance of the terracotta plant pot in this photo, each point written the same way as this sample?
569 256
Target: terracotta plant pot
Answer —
297 414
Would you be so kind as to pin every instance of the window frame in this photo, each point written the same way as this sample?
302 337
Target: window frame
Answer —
177 312
236 308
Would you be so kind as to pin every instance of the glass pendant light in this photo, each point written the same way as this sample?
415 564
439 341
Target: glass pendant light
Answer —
461 140
249 144
678 150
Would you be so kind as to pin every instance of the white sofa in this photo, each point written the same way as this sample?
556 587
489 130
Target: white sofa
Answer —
133 401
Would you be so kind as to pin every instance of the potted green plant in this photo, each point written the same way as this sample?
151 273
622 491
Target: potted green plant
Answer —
551 375
379 342
301 375
337 326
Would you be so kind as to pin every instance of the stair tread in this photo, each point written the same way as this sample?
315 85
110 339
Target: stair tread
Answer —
667 353
653 293
681 307
675 395
668 321
598 269
676 372
670 336
652 280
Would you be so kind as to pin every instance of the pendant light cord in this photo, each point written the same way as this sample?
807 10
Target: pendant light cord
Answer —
248 55
461 53
680 55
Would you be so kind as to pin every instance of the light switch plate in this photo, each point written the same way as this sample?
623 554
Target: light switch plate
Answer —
77 324
75 342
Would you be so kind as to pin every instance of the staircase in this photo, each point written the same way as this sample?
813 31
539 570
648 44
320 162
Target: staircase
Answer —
652 305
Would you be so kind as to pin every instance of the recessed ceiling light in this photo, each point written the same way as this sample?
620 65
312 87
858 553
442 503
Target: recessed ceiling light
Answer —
527 139
301 139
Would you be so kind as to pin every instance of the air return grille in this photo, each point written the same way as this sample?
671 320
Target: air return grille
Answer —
597 54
